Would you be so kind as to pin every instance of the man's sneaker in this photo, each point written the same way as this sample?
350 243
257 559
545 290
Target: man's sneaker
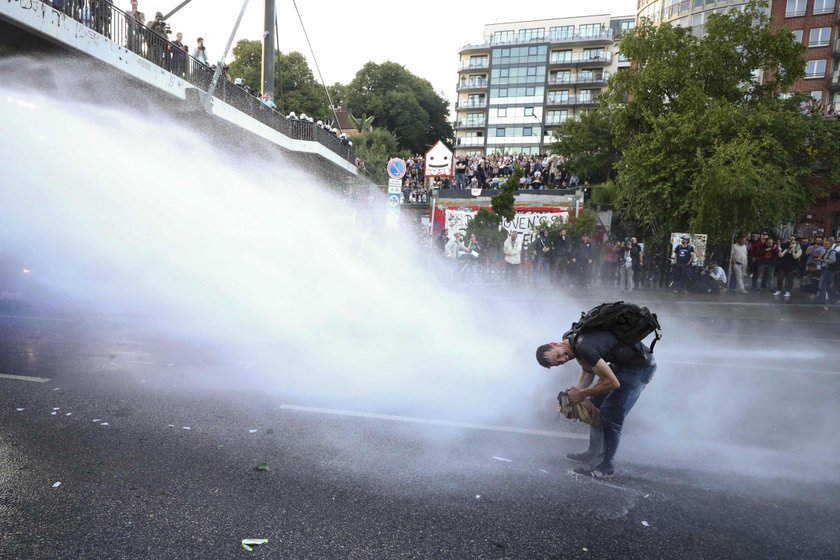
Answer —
787 294
593 472
777 293
582 457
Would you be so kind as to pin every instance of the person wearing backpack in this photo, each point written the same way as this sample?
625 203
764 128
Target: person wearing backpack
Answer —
615 368
827 272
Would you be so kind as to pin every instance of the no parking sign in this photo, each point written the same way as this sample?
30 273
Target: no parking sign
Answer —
396 168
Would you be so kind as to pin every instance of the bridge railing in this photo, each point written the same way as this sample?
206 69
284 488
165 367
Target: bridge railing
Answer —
150 42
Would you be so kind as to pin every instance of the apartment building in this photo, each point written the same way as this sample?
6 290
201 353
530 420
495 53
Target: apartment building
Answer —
526 78
685 13
814 24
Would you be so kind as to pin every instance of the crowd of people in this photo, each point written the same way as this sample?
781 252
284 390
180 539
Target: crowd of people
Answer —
758 260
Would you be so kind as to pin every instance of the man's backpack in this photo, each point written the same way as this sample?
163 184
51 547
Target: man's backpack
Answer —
629 322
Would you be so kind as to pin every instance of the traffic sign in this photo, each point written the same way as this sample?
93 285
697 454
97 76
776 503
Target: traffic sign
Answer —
394 183
396 168
393 200
394 190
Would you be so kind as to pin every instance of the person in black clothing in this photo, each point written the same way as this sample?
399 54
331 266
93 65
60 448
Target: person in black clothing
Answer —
683 258
622 372
560 256
585 257
542 254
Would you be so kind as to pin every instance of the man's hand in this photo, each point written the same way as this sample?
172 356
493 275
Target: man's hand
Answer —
574 394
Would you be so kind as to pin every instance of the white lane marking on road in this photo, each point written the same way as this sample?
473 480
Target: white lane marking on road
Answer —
757 368
433 422
38 318
24 378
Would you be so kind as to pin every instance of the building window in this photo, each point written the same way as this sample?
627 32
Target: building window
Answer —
797 35
594 54
558 57
819 37
561 32
527 131
823 6
795 8
502 37
530 92
815 69
531 34
590 30
626 26
500 132
816 96
529 112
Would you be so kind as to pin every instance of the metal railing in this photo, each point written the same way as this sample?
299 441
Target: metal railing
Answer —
603 35
150 42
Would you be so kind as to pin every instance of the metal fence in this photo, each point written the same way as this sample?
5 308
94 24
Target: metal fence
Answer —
150 41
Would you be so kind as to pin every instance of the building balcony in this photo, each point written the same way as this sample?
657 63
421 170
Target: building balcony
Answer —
572 101
836 50
605 36
459 105
470 66
834 83
580 58
460 125
575 79
557 121
470 141
472 84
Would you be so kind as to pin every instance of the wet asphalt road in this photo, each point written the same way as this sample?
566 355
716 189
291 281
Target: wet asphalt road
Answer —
111 426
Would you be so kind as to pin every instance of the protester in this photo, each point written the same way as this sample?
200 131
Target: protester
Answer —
613 375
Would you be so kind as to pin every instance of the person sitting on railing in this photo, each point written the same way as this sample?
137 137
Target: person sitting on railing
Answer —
266 100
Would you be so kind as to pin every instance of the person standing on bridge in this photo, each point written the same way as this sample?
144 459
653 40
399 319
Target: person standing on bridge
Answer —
613 375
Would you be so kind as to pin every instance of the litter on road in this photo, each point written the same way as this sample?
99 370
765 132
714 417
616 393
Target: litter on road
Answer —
502 459
187 428
262 467
645 523
249 544
56 484
53 413
104 424
20 410
252 431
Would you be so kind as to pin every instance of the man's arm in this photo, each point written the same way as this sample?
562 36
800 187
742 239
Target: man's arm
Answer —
607 381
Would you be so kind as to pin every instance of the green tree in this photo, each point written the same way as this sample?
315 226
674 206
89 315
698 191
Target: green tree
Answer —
376 147
486 226
588 146
503 202
295 88
707 144
402 103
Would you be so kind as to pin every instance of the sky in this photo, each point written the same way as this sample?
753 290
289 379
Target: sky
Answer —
345 35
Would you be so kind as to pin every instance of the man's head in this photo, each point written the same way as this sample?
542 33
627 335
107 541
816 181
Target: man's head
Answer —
513 235
685 240
459 236
134 5
555 354
179 36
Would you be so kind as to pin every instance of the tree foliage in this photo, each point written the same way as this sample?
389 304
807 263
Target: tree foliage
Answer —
295 88
588 146
708 142
402 103
376 147
503 202
486 225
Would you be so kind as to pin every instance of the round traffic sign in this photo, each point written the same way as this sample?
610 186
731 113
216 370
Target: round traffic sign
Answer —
396 168
393 200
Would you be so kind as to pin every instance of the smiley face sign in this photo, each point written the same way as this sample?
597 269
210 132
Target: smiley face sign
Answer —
439 161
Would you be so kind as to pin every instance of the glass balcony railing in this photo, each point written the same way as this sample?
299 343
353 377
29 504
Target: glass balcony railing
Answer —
473 65
471 84
571 79
571 100
578 58
471 104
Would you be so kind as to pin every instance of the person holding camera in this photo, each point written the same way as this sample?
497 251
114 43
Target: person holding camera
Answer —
787 260
684 256
200 53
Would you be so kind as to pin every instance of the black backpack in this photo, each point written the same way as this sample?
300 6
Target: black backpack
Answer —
629 322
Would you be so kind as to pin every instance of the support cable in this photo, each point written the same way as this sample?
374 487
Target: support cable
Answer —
318 68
